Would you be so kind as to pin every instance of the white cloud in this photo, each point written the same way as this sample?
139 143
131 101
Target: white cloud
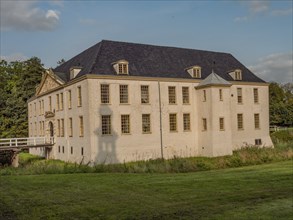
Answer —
258 6
14 57
24 15
275 67
282 12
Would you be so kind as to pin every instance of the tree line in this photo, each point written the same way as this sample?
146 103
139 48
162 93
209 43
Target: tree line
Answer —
18 81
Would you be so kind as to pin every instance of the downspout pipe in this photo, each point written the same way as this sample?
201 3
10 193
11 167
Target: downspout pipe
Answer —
160 110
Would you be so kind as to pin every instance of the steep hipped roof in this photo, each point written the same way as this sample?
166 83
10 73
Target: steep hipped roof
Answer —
153 61
213 79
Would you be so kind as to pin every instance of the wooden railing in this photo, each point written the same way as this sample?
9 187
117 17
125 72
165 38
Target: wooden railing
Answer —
10 143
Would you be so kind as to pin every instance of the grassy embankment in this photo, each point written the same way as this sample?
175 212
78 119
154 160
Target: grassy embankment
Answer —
252 192
283 150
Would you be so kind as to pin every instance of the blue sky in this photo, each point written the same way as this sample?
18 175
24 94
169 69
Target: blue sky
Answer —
257 33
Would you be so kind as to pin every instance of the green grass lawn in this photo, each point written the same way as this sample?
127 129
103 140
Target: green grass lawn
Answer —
251 192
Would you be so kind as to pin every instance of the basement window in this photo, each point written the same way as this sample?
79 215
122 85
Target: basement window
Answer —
258 142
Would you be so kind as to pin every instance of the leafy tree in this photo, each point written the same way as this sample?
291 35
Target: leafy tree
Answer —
18 81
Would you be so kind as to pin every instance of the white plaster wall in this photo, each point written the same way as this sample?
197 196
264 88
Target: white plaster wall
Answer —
248 135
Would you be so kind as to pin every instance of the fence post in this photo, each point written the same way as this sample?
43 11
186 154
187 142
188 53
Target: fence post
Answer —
16 142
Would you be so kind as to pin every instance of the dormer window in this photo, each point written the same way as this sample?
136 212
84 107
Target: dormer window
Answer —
74 71
236 74
194 71
121 67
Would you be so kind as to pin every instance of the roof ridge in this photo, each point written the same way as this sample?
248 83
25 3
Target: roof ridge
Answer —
159 46
96 56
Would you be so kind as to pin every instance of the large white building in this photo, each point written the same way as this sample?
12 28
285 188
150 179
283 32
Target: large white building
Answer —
117 102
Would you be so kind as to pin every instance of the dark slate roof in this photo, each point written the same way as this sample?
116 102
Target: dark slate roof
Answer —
153 61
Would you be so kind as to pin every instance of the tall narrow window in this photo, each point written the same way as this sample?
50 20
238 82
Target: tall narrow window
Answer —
81 131
255 95
185 95
69 99
240 121
105 94
256 121
40 107
173 122
221 94
197 72
40 128
144 91
239 95
43 128
35 109
57 102
123 94
186 122
62 127
146 123
238 75
71 150
204 95
43 107
30 110
172 94
58 127
106 124
36 129
125 124
82 151
70 130
79 98
50 103
61 101
222 124
204 124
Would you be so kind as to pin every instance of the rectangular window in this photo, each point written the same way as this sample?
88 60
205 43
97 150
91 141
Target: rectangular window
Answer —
204 124
256 121
69 99
40 107
146 123
35 109
125 124
186 122
222 124
204 95
123 94
62 127
144 91
36 129
258 142
79 98
63 149
239 95
122 68
221 94
255 95
43 128
71 150
50 103
43 107
61 101
185 95
105 94
57 102
106 124
240 121
81 131
173 122
82 151
58 127
172 94
70 130
59 149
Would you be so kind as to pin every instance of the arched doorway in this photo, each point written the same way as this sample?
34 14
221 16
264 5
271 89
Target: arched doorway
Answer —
51 140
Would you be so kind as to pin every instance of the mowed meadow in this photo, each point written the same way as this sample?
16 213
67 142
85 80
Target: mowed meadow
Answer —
253 183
